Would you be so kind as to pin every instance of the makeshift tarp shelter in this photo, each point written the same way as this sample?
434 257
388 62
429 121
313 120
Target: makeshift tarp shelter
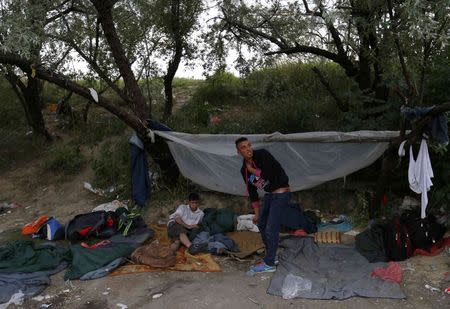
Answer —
309 159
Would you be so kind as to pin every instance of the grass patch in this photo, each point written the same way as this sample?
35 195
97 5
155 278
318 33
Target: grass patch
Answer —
97 129
64 159
15 145
179 82
112 167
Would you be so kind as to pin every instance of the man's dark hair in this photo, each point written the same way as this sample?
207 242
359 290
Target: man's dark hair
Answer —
194 196
239 140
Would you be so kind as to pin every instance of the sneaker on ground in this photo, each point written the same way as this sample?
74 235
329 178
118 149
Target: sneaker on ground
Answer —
275 262
262 268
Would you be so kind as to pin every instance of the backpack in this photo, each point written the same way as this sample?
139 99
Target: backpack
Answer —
397 240
423 232
51 230
98 224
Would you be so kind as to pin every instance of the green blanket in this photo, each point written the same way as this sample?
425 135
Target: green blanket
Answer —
25 257
86 260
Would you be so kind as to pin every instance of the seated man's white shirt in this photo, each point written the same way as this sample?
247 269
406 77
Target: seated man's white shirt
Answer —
187 215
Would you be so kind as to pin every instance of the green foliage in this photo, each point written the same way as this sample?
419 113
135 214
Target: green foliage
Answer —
219 89
64 159
295 87
438 81
98 128
179 82
15 145
112 167
361 212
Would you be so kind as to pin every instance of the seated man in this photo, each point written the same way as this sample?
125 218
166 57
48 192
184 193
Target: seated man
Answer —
185 219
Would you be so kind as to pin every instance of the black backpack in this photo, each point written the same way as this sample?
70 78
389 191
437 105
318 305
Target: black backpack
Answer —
397 240
97 224
423 232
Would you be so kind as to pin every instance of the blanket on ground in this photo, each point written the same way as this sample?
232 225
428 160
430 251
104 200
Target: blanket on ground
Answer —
307 270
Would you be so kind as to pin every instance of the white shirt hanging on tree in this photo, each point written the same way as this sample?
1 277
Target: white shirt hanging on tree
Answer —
420 173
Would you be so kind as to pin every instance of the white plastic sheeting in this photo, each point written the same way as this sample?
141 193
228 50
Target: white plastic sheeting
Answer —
309 159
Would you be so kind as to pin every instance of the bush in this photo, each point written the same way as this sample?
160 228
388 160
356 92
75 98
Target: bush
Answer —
219 89
112 167
15 143
64 159
99 127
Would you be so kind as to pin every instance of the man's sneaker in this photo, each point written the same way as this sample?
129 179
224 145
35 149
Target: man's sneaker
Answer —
262 268
198 248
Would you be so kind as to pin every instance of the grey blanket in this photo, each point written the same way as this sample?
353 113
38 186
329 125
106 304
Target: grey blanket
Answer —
307 270
29 283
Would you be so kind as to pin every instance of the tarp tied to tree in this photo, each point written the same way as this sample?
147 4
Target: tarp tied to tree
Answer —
386 48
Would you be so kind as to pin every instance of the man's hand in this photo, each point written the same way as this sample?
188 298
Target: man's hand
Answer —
255 219
250 168
192 226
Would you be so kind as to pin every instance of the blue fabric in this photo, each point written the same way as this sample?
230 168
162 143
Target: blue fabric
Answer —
343 224
437 129
269 222
54 229
341 227
216 242
141 186
155 125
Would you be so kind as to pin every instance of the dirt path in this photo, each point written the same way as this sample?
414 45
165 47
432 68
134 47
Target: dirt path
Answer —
231 288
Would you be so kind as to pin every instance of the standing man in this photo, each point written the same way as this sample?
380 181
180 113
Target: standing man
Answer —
261 170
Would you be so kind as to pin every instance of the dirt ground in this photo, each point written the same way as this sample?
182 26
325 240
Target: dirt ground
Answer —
62 198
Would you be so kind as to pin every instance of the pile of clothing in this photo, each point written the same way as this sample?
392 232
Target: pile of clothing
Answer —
95 244
403 236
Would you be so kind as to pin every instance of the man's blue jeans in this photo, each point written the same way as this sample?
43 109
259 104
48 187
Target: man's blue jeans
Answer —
269 222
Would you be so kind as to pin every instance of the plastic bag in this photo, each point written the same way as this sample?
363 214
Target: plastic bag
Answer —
294 285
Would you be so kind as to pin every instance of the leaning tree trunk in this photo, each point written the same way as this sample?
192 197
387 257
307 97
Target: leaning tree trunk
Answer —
105 17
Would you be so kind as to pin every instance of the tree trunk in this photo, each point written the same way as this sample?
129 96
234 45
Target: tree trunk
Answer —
388 164
33 99
30 96
105 17
175 61
364 73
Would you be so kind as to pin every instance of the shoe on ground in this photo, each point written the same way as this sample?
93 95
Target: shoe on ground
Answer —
198 248
275 262
262 268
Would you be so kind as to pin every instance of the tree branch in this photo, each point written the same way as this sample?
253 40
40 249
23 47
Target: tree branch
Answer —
343 106
401 56
309 12
248 29
345 63
102 74
56 64
65 83
63 13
